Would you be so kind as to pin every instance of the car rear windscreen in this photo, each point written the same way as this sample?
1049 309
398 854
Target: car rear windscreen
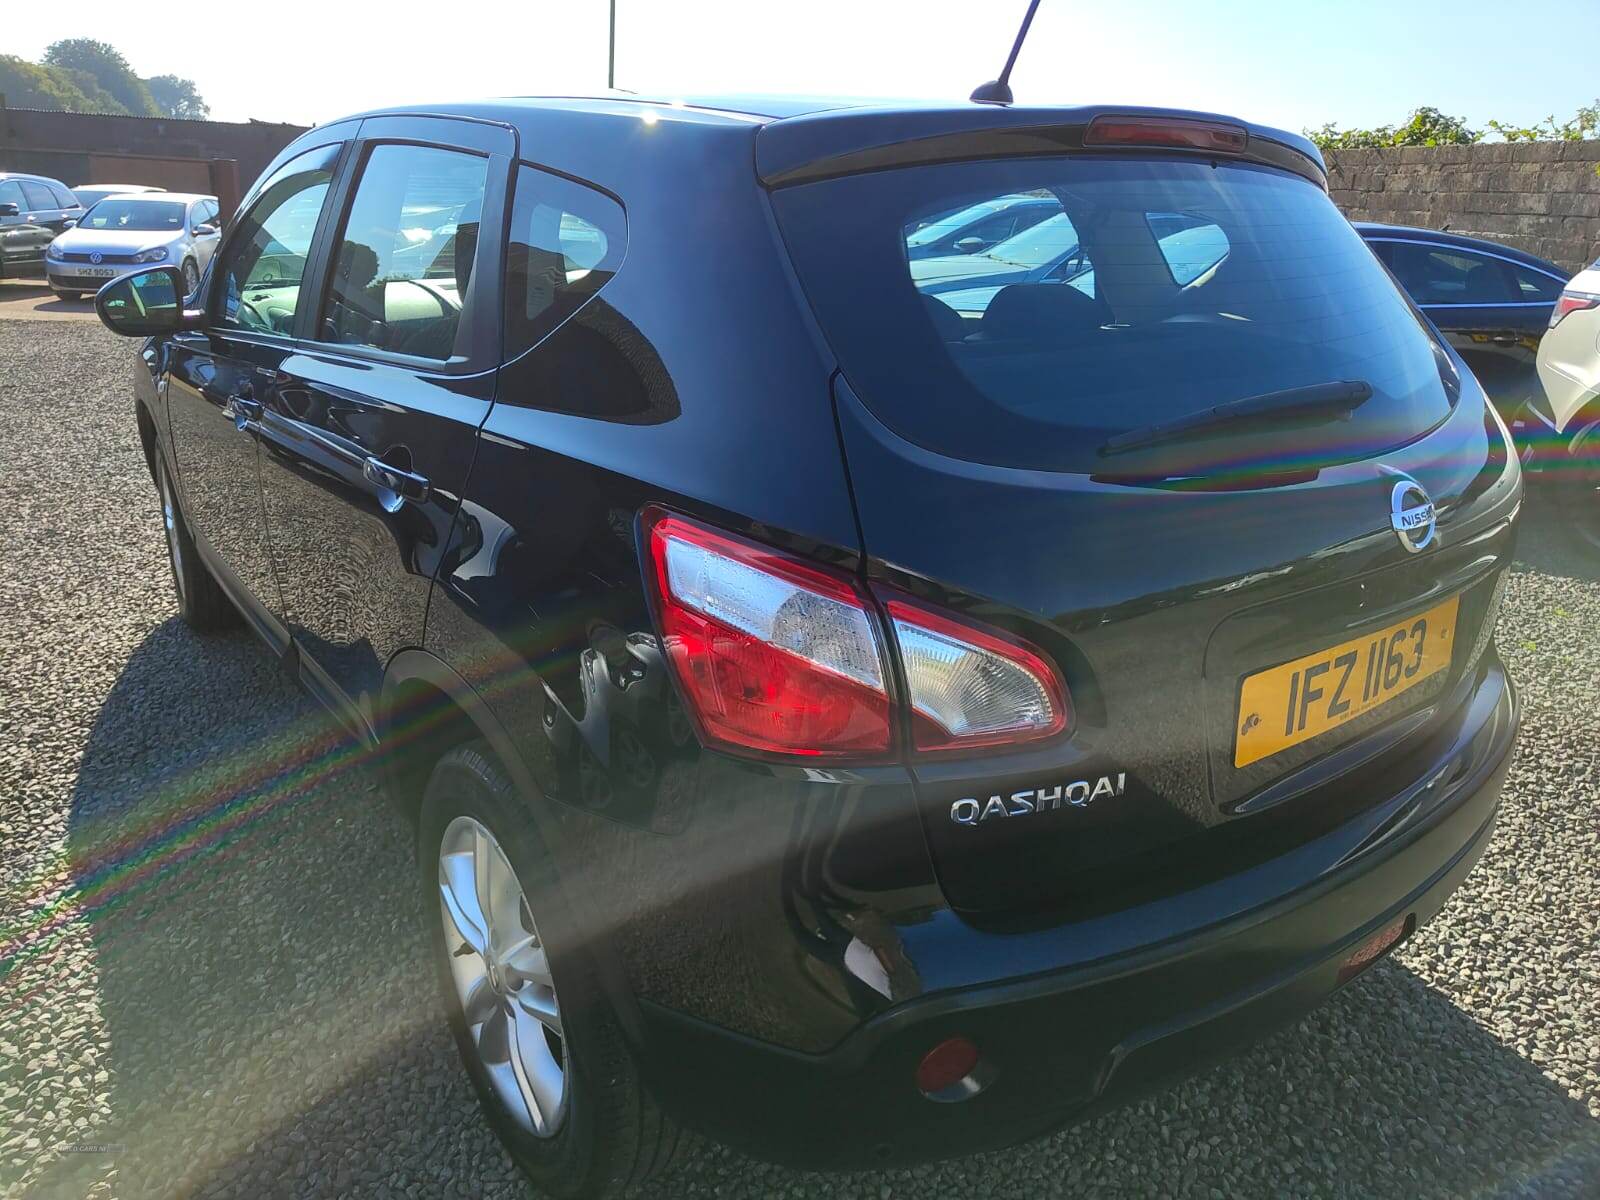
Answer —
1151 290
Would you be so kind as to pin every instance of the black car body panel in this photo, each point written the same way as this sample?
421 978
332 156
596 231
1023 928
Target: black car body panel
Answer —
1124 1014
828 143
1165 622
783 940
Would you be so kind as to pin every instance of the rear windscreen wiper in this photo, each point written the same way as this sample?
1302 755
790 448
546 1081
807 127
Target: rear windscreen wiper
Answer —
1337 399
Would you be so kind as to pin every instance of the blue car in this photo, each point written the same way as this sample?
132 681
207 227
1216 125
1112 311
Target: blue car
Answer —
974 228
1492 303
1050 252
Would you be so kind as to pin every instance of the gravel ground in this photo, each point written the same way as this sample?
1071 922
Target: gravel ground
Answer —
212 984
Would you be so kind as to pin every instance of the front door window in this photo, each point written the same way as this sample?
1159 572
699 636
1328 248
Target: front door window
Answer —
266 259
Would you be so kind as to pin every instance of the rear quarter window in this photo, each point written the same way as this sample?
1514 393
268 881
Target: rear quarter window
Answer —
567 241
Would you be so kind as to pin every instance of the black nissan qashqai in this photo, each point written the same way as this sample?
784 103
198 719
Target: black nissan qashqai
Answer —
862 704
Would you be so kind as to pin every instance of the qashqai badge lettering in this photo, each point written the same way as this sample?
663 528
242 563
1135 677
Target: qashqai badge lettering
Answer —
1412 515
1080 793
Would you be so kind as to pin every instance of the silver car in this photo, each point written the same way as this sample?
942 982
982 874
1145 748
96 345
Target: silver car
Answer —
90 194
122 233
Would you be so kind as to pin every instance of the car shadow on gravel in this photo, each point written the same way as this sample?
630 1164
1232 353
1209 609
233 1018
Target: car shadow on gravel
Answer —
253 911
272 1026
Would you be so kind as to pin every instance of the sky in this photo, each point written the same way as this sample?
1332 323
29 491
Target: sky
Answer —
1294 65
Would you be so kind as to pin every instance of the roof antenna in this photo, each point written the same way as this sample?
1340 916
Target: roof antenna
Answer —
998 91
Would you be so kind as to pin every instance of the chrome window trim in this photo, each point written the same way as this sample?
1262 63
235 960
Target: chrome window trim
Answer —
1505 258
1490 304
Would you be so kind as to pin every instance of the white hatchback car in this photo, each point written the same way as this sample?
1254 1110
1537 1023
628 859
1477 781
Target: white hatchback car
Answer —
122 233
1569 369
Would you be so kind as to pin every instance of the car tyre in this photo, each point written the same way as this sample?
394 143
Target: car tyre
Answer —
71 296
1576 482
202 603
191 276
608 1135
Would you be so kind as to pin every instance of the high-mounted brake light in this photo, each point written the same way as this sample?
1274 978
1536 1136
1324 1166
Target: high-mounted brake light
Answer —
780 657
1166 131
1571 302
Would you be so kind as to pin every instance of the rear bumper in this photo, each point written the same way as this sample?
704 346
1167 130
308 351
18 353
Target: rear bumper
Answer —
1067 1044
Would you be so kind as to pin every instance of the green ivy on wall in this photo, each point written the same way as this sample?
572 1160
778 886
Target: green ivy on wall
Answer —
1429 127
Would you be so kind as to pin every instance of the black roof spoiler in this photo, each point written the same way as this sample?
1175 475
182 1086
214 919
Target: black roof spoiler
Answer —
848 141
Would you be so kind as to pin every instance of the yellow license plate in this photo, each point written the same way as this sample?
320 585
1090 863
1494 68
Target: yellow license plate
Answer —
1303 699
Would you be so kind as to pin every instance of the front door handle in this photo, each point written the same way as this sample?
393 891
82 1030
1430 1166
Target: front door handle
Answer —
1505 339
242 408
405 485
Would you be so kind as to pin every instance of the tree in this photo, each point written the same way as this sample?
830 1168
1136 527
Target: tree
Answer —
106 66
177 97
29 85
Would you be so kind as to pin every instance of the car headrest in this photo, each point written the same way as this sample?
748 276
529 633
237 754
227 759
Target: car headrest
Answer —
1041 310
950 325
535 274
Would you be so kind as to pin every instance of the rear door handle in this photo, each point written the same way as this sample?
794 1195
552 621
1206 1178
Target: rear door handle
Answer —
406 485
1505 339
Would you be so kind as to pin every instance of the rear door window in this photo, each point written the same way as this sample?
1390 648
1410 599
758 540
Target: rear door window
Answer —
1436 275
406 254
1156 288
38 195
1535 286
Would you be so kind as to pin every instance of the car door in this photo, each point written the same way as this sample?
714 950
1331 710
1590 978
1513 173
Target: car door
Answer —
370 432
43 209
68 205
220 378
22 239
204 235
1477 302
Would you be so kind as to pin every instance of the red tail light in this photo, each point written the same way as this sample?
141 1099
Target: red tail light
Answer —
777 656
1571 302
774 655
1166 131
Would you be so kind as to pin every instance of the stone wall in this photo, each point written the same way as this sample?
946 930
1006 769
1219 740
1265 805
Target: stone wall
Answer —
1542 197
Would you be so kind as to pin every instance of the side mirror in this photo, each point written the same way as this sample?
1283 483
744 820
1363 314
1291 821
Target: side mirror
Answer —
67 223
9 209
145 303
971 245
205 230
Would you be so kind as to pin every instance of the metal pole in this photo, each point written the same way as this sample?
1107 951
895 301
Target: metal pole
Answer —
611 50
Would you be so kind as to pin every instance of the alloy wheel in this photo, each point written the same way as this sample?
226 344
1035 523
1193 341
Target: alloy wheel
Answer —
502 977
